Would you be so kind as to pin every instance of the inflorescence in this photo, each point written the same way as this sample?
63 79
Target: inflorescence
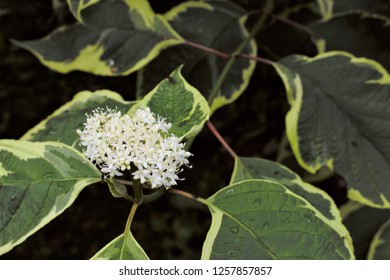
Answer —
140 143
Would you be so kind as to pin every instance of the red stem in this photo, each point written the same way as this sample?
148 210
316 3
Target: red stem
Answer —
221 140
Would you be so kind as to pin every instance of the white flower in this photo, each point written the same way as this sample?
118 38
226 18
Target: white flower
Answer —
115 143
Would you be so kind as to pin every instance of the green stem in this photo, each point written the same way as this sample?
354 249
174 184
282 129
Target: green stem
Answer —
127 229
154 195
124 182
138 191
256 28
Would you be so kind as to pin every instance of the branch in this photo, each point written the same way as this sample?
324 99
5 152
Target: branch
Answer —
292 23
221 139
257 27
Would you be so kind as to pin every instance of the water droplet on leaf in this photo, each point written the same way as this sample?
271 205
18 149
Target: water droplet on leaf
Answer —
13 197
234 229
284 215
252 222
233 254
225 244
257 202
308 217
266 226
229 191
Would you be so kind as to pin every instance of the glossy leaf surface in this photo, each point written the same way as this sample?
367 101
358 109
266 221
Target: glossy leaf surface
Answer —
261 219
340 118
38 181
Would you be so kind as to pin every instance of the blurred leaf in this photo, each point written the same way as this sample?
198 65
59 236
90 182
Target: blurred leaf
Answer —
340 118
218 25
111 38
380 246
179 103
359 33
326 8
61 126
38 181
363 222
112 251
249 221
372 6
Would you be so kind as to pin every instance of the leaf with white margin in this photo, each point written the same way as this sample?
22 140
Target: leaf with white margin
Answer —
380 245
215 24
359 33
62 124
38 181
363 223
112 251
111 38
330 8
246 224
246 168
179 103
340 118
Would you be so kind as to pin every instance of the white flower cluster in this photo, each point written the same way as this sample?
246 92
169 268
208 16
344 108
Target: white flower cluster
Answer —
116 143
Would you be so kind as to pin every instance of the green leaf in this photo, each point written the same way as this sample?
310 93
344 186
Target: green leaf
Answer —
76 6
112 251
339 6
340 118
260 219
326 8
38 181
363 222
380 246
215 24
246 168
359 33
110 38
61 126
180 103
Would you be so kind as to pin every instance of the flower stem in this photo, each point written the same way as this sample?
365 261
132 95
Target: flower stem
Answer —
127 229
138 191
256 28
124 182
221 139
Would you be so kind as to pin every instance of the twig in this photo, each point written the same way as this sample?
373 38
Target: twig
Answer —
221 139
207 49
292 23
257 58
188 195
257 27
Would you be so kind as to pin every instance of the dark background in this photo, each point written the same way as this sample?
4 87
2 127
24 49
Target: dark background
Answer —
171 227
